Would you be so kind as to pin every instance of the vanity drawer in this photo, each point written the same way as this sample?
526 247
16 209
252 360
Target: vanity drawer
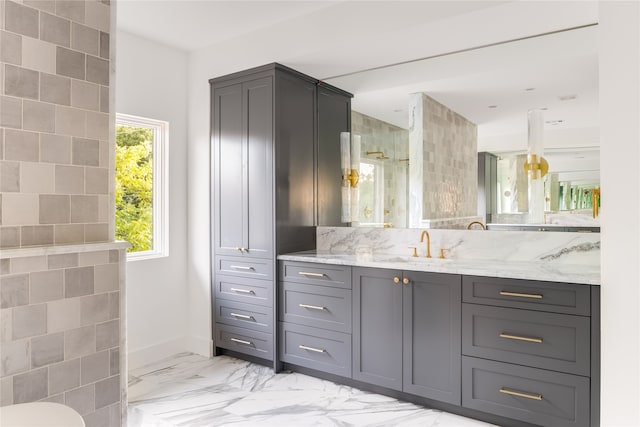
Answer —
527 394
250 291
245 341
256 268
565 298
318 274
558 342
251 316
314 348
317 306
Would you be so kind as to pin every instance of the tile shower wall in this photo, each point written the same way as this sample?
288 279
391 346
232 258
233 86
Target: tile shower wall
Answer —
378 135
444 162
54 122
60 318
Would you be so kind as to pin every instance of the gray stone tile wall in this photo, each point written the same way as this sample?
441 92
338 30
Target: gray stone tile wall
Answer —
60 332
54 122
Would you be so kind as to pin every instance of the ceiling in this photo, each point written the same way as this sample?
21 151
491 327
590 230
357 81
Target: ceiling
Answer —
342 38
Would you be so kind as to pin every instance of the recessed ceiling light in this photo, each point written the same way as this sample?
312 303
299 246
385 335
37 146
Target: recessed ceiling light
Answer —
529 89
544 108
492 106
567 97
554 122
398 110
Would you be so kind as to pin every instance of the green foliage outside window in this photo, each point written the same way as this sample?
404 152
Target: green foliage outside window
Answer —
134 187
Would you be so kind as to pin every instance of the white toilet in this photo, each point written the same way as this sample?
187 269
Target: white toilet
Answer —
39 414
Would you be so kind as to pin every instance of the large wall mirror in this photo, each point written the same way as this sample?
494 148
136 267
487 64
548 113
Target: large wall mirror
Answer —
492 88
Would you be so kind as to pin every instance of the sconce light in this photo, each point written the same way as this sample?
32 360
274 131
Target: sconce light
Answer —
535 165
595 201
350 164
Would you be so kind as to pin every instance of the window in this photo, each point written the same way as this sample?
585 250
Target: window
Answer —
141 186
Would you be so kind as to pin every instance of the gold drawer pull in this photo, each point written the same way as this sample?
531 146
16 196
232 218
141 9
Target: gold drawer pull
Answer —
517 294
516 337
317 350
241 267
242 291
313 307
304 273
518 394
241 316
241 341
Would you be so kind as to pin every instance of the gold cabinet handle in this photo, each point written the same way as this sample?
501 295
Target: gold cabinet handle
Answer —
241 341
242 291
519 338
317 350
241 316
305 273
313 307
520 295
241 267
396 280
518 394
406 281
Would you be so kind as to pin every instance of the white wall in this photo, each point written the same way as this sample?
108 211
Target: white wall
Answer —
620 183
152 82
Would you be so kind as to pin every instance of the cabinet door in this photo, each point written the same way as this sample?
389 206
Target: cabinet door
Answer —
377 327
258 126
229 178
431 329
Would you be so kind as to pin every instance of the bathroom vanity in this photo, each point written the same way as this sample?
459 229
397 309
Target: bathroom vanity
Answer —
509 351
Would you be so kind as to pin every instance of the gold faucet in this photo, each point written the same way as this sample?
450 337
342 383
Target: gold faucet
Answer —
426 233
484 227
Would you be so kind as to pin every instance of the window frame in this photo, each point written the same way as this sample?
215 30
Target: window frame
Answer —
160 156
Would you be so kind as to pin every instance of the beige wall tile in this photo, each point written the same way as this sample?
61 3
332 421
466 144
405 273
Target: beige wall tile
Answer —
14 291
54 209
9 237
38 116
107 392
114 305
97 70
47 349
85 95
28 264
69 179
38 55
80 342
94 309
46 286
10 111
85 39
21 145
1 143
96 180
84 209
5 326
97 15
67 234
72 9
21 19
105 152
71 121
104 208
55 30
30 386
36 235
98 125
107 277
93 258
82 400
70 63
29 321
46 5
62 261
95 367
78 281
10 48
63 315
104 99
6 383
64 376
21 82
5 266
55 148
107 335
15 357
19 209
55 89
85 152
96 233
36 177
9 177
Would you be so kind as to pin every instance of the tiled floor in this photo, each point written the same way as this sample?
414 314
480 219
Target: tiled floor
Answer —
191 390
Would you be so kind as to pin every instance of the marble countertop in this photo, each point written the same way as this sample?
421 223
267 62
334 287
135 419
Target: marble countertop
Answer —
546 271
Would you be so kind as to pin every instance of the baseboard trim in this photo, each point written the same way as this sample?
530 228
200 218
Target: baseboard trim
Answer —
201 346
154 353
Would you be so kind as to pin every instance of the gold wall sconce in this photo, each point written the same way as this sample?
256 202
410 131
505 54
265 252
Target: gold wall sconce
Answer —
350 165
380 155
536 168
595 201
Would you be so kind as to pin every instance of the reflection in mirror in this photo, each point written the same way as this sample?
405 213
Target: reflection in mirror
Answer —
492 88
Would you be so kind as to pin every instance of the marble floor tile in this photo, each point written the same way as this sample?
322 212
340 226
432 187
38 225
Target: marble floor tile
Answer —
191 390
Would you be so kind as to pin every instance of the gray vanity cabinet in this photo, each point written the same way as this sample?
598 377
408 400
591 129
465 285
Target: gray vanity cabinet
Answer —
265 124
407 331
